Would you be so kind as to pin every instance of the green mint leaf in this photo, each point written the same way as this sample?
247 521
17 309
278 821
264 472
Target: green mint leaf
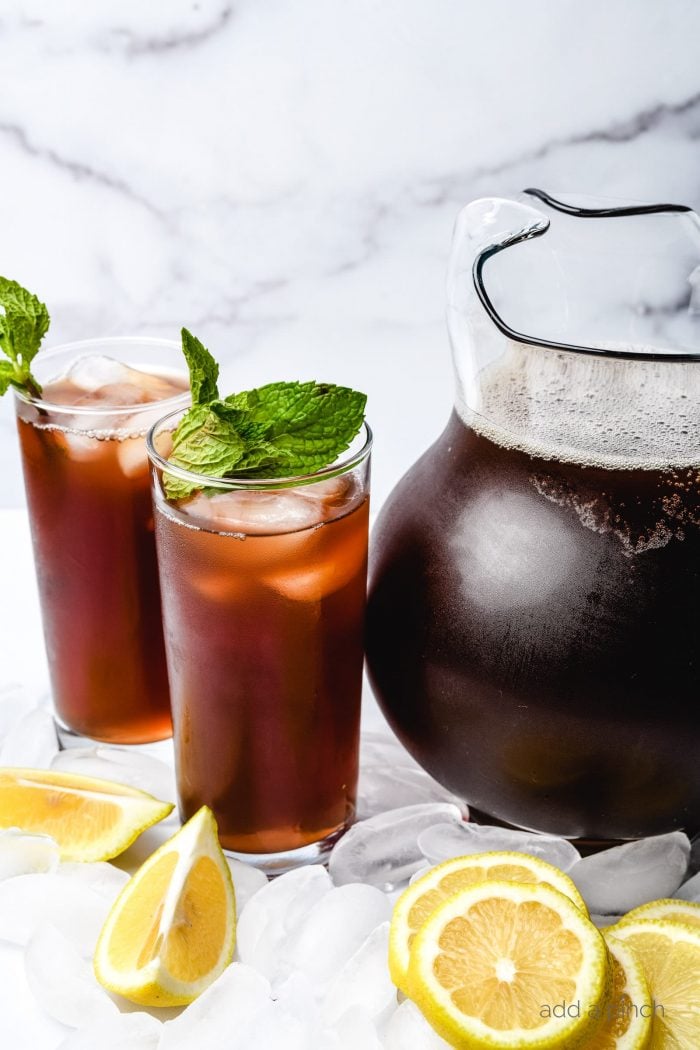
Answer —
7 375
310 424
206 444
24 321
277 430
204 370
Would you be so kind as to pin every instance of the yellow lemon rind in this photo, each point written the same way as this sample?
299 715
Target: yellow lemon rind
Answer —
152 984
662 909
398 937
593 983
639 1032
139 811
671 1027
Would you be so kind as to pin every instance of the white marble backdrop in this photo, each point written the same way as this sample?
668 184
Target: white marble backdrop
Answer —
283 176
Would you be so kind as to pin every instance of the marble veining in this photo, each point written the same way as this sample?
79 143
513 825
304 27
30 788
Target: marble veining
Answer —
283 177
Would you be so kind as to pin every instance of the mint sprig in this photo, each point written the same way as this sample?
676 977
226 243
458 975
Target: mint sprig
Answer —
24 321
277 430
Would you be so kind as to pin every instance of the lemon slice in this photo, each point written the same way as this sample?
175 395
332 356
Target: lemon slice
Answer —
90 819
685 912
172 929
421 899
507 964
669 953
625 1018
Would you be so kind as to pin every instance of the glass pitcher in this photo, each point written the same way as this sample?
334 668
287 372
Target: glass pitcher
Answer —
534 611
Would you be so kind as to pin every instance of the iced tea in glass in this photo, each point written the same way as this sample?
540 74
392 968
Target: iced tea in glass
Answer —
263 586
88 490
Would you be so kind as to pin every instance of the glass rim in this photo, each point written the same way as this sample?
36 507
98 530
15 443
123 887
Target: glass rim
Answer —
97 410
340 466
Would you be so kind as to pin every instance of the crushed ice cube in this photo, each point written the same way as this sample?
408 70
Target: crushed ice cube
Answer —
382 788
100 876
15 703
135 1031
297 995
333 931
133 457
92 371
273 1027
409 1030
81 447
31 742
247 880
27 902
254 513
603 921
24 854
364 981
331 490
383 749
690 890
355 1030
223 1015
62 980
445 841
383 851
275 913
621 878
121 765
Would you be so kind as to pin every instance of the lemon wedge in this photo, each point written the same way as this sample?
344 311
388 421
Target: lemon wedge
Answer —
669 953
626 1017
508 964
685 912
420 900
171 931
90 819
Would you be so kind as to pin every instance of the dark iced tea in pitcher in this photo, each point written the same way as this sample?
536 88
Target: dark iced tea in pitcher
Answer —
524 600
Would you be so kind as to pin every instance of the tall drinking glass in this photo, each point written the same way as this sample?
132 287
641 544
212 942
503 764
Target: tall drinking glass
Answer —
263 587
87 482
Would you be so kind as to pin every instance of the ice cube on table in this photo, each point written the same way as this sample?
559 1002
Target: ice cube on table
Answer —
444 842
24 854
136 1031
623 877
222 1016
333 931
354 1030
99 876
409 1030
383 851
247 880
256 513
28 902
382 788
124 766
690 890
275 913
31 742
603 921
62 980
364 981
15 703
